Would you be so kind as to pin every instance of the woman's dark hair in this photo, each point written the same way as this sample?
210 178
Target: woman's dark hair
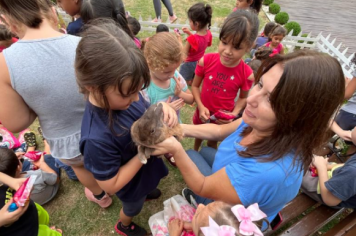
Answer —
201 13
8 162
5 34
134 25
310 90
162 28
241 27
106 56
113 9
27 12
268 27
263 53
256 5
277 30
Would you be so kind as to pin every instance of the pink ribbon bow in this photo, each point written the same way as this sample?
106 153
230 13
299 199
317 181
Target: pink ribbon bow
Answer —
246 218
215 230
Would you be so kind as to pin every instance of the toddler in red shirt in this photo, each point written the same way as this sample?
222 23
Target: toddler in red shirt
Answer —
199 20
224 73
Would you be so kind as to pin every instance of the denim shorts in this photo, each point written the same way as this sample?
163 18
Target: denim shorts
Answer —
187 70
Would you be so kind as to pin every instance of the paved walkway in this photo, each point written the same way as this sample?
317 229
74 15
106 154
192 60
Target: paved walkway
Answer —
335 17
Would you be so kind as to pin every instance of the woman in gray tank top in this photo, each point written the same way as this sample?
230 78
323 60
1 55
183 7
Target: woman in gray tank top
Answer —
37 79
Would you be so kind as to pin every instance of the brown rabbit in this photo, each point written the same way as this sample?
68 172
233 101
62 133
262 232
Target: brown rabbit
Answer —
150 130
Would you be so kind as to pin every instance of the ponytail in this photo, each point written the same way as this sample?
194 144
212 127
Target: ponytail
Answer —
201 13
256 5
209 12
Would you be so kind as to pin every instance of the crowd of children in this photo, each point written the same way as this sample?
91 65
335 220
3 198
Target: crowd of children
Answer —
120 76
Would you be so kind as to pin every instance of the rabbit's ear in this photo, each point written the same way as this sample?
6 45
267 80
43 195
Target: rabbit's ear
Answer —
158 110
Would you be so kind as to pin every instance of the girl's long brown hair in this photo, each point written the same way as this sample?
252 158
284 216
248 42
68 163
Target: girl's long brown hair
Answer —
310 90
27 12
106 57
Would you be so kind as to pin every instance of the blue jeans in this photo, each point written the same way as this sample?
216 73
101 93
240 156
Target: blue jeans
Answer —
69 171
204 161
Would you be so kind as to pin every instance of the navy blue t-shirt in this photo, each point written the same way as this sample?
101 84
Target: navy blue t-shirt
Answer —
104 153
343 183
75 27
261 41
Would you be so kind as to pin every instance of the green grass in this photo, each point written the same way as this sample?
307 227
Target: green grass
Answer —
70 210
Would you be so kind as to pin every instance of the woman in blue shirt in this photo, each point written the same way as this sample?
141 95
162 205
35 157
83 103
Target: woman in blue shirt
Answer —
262 156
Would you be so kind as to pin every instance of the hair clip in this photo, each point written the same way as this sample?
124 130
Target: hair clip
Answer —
246 218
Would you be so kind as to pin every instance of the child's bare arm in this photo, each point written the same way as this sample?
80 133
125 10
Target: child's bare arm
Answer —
123 176
41 163
13 183
186 48
187 96
204 113
241 102
321 165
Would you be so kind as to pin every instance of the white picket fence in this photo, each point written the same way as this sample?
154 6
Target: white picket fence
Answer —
322 44
319 43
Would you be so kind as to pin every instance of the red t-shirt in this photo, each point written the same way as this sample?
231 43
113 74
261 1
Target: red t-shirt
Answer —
221 84
276 50
198 44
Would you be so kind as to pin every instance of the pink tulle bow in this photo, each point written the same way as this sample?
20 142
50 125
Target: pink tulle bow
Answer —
246 218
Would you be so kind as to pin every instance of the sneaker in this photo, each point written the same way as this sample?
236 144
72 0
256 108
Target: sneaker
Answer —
131 230
189 195
155 20
173 18
104 202
154 194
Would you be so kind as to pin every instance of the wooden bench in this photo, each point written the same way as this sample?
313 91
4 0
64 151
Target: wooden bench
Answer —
303 216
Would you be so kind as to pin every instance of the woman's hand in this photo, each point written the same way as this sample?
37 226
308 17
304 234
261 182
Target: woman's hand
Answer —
320 162
176 105
175 227
170 145
169 115
7 217
204 114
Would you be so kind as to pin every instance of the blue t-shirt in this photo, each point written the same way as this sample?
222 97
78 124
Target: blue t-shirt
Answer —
270 184
104 153
75 27
343 183
260 41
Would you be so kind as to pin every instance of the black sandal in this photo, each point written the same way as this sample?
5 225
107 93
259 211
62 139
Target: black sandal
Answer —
30 139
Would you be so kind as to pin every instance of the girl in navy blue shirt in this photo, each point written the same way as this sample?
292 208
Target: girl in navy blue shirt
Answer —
111 71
